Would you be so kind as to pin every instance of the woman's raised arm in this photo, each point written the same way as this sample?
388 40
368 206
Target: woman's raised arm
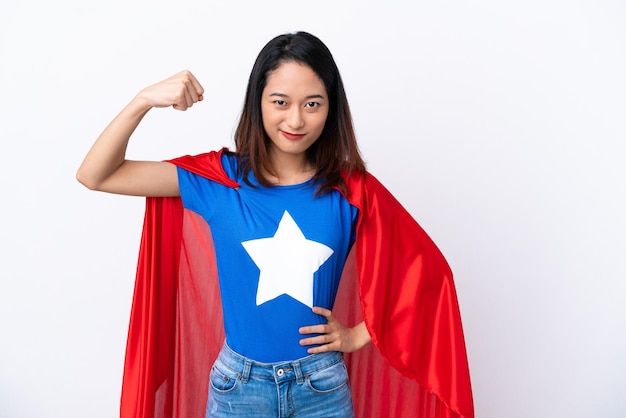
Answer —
105 167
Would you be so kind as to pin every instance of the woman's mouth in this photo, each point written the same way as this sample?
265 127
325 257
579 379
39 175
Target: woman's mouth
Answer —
291 136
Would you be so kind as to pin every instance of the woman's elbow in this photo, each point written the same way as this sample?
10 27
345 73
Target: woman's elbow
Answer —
86 181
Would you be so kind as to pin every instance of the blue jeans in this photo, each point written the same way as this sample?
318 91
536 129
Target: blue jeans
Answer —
314 386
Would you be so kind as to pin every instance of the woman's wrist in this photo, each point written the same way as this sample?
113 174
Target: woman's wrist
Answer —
140 104
361 336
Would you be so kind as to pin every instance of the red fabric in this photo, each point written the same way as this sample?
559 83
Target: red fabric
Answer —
395 279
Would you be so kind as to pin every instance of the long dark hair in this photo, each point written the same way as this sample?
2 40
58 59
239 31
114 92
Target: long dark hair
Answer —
336 149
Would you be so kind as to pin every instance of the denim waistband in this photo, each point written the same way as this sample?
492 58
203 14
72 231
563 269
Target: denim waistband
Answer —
297 370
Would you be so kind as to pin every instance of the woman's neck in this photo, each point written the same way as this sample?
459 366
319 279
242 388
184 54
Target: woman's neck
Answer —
291 170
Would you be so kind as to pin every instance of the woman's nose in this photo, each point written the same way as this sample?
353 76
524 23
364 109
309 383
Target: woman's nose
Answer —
294 118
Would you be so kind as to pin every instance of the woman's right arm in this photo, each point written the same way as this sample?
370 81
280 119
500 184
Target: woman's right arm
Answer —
105 167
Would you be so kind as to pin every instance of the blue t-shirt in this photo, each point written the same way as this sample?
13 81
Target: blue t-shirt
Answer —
280 251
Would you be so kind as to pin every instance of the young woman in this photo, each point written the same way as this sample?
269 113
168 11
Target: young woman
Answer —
275 221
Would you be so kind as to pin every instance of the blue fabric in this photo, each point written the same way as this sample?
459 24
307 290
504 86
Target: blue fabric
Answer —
264 326
315 386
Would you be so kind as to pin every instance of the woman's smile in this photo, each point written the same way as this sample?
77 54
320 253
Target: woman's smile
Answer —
291 136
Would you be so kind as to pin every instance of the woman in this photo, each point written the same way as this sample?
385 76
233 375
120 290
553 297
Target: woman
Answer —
279 215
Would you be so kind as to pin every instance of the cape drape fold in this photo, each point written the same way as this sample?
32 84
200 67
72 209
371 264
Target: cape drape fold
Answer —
395 279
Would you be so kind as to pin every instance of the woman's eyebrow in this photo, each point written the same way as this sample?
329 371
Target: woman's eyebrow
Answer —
312 96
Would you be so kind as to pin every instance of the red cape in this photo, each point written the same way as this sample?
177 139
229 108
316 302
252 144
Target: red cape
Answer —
395 279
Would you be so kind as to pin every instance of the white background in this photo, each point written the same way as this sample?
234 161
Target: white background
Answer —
500 125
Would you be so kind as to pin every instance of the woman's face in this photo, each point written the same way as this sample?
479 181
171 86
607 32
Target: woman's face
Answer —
294 106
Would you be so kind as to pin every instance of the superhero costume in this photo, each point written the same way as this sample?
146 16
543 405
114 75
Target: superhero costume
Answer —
395 279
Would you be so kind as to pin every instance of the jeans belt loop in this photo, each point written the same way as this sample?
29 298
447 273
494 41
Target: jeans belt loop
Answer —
298 371
245 375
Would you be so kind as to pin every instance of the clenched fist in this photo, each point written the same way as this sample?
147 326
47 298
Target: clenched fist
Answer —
180 91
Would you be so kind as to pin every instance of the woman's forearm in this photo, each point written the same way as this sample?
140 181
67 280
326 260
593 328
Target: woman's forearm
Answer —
108 152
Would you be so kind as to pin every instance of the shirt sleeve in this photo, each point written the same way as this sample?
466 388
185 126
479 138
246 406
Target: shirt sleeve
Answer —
197 193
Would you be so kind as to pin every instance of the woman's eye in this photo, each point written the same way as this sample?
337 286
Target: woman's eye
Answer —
280 102
312 104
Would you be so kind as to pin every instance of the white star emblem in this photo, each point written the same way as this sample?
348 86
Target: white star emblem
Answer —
287 262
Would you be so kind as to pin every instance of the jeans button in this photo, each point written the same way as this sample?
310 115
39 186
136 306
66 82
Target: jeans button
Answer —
280 372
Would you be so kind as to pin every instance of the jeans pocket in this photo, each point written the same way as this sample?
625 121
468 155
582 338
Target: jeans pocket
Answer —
223 379
328 379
